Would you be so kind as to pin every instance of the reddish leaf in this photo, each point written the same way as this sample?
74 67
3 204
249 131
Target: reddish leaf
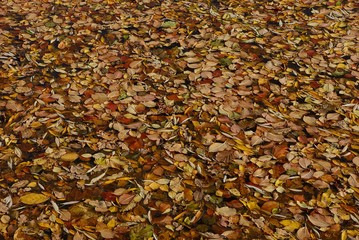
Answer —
217 73
112 106
125 198
134 143
124 120
108 196
280 151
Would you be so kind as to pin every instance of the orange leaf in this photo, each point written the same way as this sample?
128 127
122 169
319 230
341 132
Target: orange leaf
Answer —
134 143
280 151
188 194
270 205
125 120
111 106
173 97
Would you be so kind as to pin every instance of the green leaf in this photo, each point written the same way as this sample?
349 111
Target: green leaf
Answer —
225 62
50 24
291 172
216 43
169 24
125 37
338 73
141 231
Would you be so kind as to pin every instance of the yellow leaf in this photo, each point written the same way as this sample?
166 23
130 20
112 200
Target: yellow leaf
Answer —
44 224
341 66
344 235
69 157
252 206
240 145
154 185
112 223
32 184
113 209
52 132
36 124
290 225
33 198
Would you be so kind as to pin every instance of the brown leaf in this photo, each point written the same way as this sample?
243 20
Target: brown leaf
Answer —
310 120
280 151
274 137
353 180
318 220
125 198
303 233
164 220
107 233
217 147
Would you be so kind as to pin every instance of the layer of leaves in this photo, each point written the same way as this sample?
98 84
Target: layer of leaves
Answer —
179 119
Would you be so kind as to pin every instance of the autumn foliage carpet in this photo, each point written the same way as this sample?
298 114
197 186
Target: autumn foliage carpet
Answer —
154 119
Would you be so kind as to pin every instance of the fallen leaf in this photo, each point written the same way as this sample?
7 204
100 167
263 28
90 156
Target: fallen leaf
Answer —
290 225
125 198
107 233
226 211
33 198
318 220
69 157
218 147
353 180
269 206
303 233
